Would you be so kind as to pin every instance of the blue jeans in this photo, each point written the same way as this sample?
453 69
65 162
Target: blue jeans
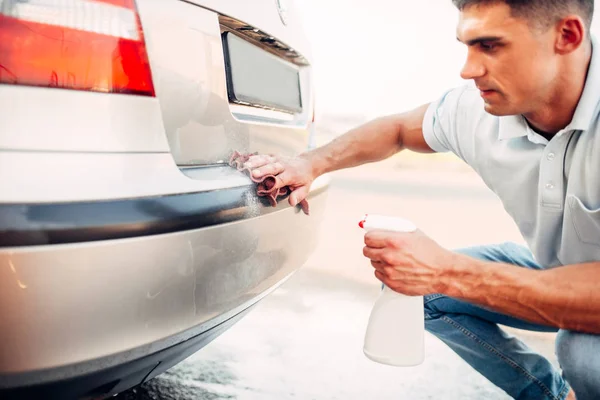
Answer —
472 332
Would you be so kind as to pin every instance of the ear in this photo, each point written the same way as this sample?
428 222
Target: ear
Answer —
571 34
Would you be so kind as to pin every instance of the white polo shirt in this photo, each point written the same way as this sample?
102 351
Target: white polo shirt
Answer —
550 188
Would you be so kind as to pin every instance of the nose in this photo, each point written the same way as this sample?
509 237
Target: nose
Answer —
473 67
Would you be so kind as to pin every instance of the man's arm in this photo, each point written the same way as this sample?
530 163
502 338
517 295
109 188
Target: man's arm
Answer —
373 141
566 297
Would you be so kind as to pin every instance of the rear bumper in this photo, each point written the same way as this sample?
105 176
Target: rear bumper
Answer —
89 286
112 380
79 222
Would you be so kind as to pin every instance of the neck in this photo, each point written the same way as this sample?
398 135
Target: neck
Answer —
557 110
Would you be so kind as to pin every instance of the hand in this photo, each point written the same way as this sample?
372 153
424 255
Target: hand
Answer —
408 263
295 173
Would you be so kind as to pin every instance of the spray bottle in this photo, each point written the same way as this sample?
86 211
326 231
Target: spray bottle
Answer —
396 330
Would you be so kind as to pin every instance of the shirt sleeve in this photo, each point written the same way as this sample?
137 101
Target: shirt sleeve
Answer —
444 121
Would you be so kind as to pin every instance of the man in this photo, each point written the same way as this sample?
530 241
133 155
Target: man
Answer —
530 127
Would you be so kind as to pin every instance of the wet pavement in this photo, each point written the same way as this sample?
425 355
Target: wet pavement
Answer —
304 341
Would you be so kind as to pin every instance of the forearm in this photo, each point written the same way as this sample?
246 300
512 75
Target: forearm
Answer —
564 297
373 141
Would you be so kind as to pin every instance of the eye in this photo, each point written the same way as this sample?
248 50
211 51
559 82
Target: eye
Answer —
487 46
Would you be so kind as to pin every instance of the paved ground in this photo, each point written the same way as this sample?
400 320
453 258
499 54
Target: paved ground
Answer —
305 340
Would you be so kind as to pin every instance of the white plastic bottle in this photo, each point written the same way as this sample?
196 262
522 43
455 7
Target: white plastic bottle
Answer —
396 330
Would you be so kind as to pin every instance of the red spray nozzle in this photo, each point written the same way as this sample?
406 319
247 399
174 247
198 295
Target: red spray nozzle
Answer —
362 222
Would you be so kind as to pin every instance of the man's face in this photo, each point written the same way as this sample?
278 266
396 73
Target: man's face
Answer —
512 64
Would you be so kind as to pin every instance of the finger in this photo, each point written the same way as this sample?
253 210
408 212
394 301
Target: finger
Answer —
377 239
387 272
283 179
304 206
392 284
378 265
269 169
391 273
373 254
298 195
259 161
380 276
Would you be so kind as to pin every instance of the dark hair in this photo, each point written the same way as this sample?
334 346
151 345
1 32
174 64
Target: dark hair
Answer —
542 13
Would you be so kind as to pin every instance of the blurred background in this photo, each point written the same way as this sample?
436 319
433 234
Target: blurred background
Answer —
305 340
379 57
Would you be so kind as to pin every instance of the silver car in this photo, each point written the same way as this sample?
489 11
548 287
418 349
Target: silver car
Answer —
127 242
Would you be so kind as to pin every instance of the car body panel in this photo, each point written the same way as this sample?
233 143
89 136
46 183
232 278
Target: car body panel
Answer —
32 177
64 304
105 259
196 122
60 123
186 55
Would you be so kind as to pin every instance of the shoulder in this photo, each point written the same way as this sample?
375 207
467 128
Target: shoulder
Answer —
465 97
457 106
457 122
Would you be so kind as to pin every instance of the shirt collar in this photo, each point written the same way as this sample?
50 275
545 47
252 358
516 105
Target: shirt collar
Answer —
586 108
513 126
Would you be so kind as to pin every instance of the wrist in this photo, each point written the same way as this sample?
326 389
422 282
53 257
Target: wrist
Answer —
484 282
315 163
459 276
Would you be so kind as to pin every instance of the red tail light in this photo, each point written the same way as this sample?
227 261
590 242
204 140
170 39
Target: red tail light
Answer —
95 45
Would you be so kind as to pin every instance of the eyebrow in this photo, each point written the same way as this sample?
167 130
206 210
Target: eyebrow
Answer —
481 39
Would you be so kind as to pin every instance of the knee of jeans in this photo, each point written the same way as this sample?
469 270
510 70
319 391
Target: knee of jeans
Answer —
430 311
494 252
572 354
